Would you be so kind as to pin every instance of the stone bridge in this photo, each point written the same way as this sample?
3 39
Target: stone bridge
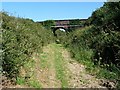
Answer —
67 25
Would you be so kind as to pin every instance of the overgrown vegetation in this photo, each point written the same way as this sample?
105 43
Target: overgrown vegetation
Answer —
48 23
107 43
21 38
99 42
96 45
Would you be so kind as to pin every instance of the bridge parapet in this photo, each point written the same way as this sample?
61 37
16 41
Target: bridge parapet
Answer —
68 25
62 22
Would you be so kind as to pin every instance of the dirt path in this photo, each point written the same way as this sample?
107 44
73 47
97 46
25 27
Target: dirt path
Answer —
53 82
45 72
54 68
78 77
74 73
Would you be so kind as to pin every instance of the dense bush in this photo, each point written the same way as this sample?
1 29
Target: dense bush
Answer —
107 41
100 41
79 43
21 38
102 36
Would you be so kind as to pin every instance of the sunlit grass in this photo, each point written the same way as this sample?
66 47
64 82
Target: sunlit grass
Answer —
60 66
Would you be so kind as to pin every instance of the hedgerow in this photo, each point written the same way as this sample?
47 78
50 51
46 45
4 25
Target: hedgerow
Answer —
100 41
20 39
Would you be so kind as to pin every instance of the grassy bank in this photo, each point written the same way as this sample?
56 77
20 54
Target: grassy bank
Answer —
21 38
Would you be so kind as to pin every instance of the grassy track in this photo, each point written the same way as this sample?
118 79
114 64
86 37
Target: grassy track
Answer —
54 68
60 65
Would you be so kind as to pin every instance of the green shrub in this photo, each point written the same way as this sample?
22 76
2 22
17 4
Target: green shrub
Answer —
21 38
99 42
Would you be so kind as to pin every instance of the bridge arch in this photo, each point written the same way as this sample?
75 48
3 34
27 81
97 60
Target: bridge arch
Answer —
57 28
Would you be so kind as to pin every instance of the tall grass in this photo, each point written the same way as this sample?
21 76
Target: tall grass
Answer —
80 43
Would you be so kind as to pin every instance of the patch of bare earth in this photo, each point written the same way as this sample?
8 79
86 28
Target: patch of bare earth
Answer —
7 83
78 77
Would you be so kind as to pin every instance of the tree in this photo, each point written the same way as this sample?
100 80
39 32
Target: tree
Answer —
48 23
